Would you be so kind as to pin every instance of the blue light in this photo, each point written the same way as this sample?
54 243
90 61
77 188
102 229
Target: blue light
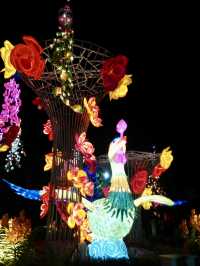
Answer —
31 194
180 202
106 175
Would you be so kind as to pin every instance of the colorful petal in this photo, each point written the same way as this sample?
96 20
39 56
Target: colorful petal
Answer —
121 89
5 52
166 158
49 161
70 207
147 204
93 111
81 214
89 188
4 148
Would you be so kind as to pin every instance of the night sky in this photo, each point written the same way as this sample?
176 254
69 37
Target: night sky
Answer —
156 108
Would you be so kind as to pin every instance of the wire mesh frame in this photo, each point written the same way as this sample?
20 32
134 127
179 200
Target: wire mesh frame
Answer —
66 123
85 67
136 160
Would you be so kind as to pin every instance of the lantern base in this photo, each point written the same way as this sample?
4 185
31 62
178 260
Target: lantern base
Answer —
105 249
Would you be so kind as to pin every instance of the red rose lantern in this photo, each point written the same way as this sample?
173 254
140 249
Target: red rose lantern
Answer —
158 170
26 58
11 135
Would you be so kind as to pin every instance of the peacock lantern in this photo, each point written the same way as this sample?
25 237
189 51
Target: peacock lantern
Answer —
111 219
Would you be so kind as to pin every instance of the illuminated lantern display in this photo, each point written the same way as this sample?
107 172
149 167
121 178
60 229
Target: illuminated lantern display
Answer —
10 123
14 233
68 77
105 221
111 218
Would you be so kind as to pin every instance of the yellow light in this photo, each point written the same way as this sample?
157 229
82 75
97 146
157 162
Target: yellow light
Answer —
63 75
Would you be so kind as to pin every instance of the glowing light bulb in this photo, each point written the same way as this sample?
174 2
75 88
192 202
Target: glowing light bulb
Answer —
106 175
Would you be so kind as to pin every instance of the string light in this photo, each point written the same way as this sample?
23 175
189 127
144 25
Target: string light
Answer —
62 53
155 186
13 157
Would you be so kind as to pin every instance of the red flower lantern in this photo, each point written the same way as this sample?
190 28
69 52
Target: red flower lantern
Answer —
11 135
158 170
26 58
138 181
47 130
106 191
112 71
38 102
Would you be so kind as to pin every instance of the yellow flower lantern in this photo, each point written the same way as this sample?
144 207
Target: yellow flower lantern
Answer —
166 158
5 52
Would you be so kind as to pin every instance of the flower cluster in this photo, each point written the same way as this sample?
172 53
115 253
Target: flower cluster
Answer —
49 160
139 181
112 71
80 180
75 216
28 59
9 120
45 201
86 149
10 123
47 130
78 217
113 75
5 52
166 159
93 111
25 58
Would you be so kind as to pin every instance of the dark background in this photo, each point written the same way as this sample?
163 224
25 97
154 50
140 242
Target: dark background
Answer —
158 40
